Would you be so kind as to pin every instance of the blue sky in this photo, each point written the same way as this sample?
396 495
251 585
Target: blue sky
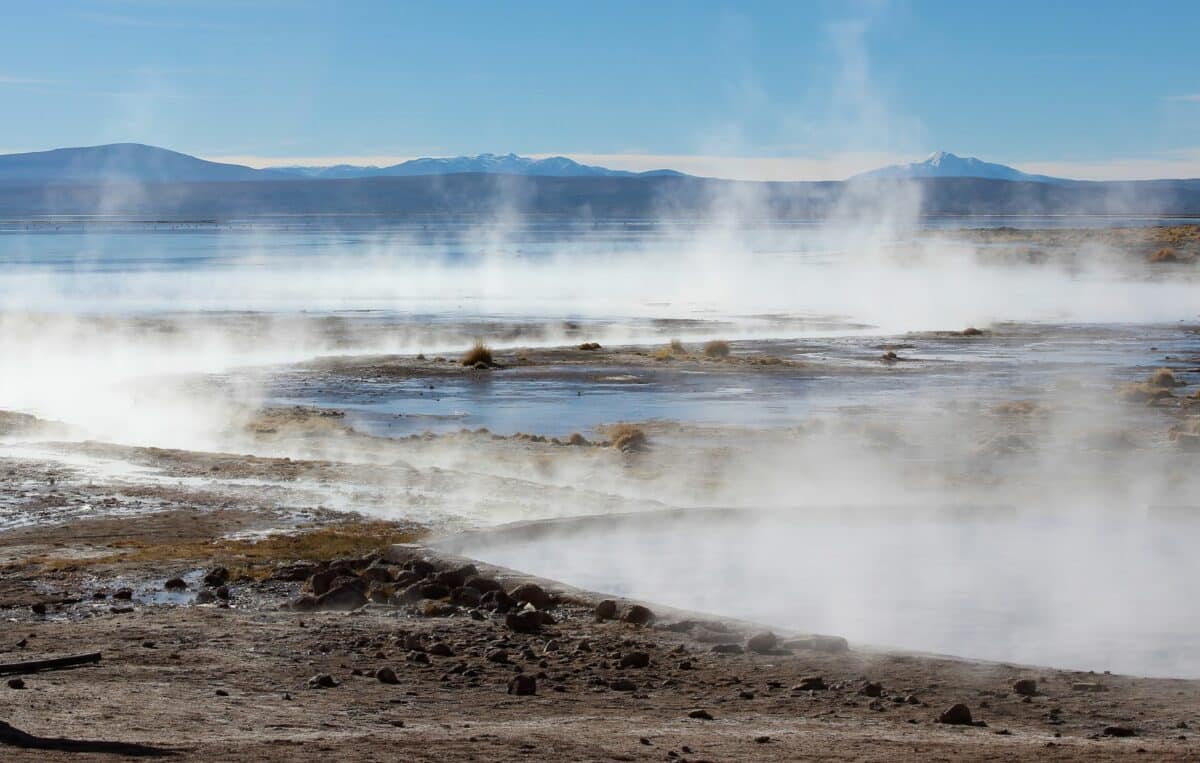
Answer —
793 89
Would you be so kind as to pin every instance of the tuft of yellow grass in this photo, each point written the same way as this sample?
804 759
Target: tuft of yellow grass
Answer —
717 348
479 353
627 438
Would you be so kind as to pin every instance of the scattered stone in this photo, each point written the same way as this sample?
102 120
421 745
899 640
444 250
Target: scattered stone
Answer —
522 685
762 739
434 590
1119 731
457 577
498 656
38 608
175 584
958 715
482 584
498 601
762 643
441 649
1026 687
871 689
811 683
685 665
16 683
221 693
525 621
208 597
223 592
217 576
376 573
531 593
728 649
322 681
386 675
606 610
1088 686
622 684
342 598
635 660
638 615
701 715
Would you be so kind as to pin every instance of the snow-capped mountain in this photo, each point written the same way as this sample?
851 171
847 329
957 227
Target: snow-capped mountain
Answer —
942 164
490 164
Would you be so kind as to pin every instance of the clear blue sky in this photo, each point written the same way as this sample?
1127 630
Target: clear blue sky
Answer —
806 88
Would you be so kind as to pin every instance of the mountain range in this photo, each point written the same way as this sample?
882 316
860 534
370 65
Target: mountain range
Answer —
144 182
137 163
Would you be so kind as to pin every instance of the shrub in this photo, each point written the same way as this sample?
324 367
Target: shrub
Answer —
480 353
717 348
1164 377
626 437
677 347
577 439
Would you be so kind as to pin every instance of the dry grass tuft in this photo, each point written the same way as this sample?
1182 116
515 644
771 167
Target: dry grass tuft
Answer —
577 439
1018 408
480 353
1164 377
664 353
254 557
677 347
626 437
717 348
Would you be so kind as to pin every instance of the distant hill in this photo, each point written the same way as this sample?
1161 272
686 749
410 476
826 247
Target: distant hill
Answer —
942 164
121 163
491 164
137 163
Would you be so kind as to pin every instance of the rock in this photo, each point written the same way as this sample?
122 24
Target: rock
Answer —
124 593
321 581
457 577
290 573
433 608
175 584
217 576
525 621
421 567
522 685
762 739
1119 731
622 684
441 649
343 598
762 643
1026 687
498 601
322 681
222 592
208 597
221 693
811 683
376 573
531 593
702 715
482 584
467 597
635 660
38 609
1088 686
606 610
685 665
498 656
871 689
434 591
16 683
638 615
958 715
728 649
386 675
818 643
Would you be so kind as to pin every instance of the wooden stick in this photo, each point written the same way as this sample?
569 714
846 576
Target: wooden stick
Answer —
56 663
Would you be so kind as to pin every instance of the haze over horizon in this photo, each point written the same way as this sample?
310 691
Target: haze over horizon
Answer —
778 91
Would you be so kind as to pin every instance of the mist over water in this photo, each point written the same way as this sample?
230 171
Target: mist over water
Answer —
165 338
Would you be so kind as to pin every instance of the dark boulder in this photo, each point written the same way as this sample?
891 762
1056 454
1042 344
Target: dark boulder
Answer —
638 615
958 715
762 643
531 593
522 685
